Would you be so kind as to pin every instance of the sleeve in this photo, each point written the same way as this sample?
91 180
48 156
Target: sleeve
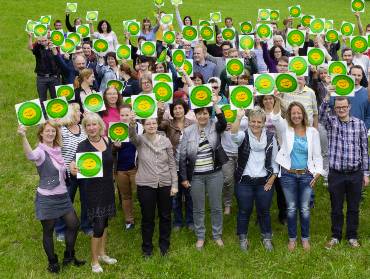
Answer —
183 158
37 155
211 58
115 40
314 103
100 70
275 149
221 123
61 63
266 55
70 28
324 117
279 123
162 124
36 49
134 138
316 152
172 164
367 115
179 20
155 28
364 148
238 137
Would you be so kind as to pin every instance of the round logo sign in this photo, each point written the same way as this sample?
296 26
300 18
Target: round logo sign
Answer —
337 68
118 131
264 14
344 85
241 97
207 33
169 37
298 65
264 84
246 27
246 42
358 5
189 33
331 36
295 11
359 44
75 37
163 78
346 29
162 91
274 15
89 164
286 83
29 114
317 25
216 17
316 56
92 15
234 67
83 30
133 28
306 20
40 30
57 108
144 106
230 114
264 31
123 52
201 96
65 91
296 38
68 46
93 102
148 49
116 84
71 7
100 45
178 57
57 37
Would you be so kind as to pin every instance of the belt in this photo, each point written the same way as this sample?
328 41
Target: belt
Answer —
297 171
47 75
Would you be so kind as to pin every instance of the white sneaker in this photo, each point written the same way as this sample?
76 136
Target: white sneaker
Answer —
96 268
106 259
60 237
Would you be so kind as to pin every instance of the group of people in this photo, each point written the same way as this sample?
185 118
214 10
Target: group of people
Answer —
285 143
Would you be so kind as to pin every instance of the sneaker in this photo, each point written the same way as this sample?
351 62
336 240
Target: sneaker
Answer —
219 242
89 233
306 245
147 255
268 245
243 244
129 226
96 268
292 244
354 243
199 244
227 210
60 237
333 242
106 259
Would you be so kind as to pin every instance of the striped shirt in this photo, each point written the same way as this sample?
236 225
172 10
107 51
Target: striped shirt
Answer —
204 161
348 146
70 143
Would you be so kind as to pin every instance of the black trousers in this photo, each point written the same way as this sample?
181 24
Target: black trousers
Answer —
44 84
280 198
149 199
345 186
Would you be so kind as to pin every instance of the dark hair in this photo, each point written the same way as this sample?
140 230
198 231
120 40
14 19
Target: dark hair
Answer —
342 99
145 119
77 18
228 18
261 98
198 75
179 102
57 21
146 19
109 28
124 67
226 43
86 43
364 81
346 49
272 51
118 103
164 66
189 17
111 54
208 109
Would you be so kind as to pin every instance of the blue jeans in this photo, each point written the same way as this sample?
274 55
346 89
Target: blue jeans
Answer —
247 193
177 203
72 185
297 191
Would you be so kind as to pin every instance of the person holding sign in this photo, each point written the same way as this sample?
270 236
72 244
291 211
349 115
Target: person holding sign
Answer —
301 166
107 69
348 167
156 180
129 77
255 174
147 31
201 160
52 199
105 32
99 190
113 101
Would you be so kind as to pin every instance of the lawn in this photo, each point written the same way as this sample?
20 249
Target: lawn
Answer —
21 250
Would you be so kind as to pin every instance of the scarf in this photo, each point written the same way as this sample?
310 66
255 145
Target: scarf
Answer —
55 153
255 144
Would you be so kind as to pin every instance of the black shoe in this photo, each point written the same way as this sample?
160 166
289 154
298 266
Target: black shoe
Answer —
164 253
147 255
53 266
283 221
69 257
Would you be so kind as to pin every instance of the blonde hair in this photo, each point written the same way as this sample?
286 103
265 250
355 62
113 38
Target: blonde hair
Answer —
71 117
85 73
257 112
58 138
92 117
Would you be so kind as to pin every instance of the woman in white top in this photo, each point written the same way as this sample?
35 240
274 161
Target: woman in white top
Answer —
301 166
105 32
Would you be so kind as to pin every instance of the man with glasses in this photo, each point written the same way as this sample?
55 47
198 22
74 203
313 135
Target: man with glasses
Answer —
220 61
348 167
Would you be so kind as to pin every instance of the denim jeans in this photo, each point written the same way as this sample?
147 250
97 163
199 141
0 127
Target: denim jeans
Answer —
212 184
177 205
72 185
297 191
247 193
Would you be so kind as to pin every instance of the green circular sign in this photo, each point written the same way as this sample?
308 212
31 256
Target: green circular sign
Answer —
274 15
116 84
234 67
316 56
92 15
246 27
201 96
123 52
346 29
178 57
264 84
162 91
118 131
71 7
359 44
306 20
264 14
162 56
45 20
337 68
40 30
133 28
89 164
127 100
207 33
144 106
169 37
68 46
57 108
246 42
228 34
148 48
163 78
358 5
93 102
332 36
166 19
83 30
317 25
189 33
230 114
30 25
298 65
264 31
286 83
159 3
295 11
296 38
203 22
344 85
29 114
75 37
241 97
328 25
57 38
188 67
100 45
216 17
65 91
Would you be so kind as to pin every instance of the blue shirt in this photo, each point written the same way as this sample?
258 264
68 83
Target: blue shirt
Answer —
207 70
299 154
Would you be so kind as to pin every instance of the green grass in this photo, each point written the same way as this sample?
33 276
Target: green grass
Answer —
21 250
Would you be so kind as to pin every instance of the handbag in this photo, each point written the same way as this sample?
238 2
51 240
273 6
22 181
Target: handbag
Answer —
221 157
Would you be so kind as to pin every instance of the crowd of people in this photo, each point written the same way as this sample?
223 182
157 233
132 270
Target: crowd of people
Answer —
286 143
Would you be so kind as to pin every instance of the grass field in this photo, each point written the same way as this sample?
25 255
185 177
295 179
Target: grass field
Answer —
21 250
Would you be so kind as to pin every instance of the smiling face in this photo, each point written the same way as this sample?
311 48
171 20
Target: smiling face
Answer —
111 61
111 95
150 126
342 108
104 27
125 114
301 82
48 135
357 74
197 81
159 68
229 23
187 21
178 112
265 83
29 113
92 129
268 102
277 53
178 38
256 124
219 39
80 63
278 42
86 48
296 115
202 117
198 55
201 95
146 85
89 164
348 56
323 73
56 108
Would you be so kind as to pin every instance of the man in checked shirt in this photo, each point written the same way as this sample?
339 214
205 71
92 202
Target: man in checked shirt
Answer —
348 166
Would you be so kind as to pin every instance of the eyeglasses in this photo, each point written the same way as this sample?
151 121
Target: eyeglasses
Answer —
215 87
341 108
146 82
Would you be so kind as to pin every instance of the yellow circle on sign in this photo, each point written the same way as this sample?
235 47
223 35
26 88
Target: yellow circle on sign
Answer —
29 113
89 164
201 95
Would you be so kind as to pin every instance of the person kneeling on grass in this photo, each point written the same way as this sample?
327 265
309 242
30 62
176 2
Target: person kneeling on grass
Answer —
52 199
255 174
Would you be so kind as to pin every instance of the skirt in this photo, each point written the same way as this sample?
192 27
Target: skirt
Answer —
52 207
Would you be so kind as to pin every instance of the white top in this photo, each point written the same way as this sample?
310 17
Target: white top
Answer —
363 61
314 162
111 39
255 166
227 141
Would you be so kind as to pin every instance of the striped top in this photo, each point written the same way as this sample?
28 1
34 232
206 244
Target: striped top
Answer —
204 161
70 143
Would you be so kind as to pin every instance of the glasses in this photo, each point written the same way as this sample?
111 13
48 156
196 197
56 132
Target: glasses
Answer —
341 108
147 82
215 87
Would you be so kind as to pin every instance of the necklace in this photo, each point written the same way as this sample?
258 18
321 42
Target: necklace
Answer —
94 140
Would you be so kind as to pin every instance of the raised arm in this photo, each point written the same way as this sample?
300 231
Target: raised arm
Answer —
134 139
70 28
30 41
178 17
359 24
